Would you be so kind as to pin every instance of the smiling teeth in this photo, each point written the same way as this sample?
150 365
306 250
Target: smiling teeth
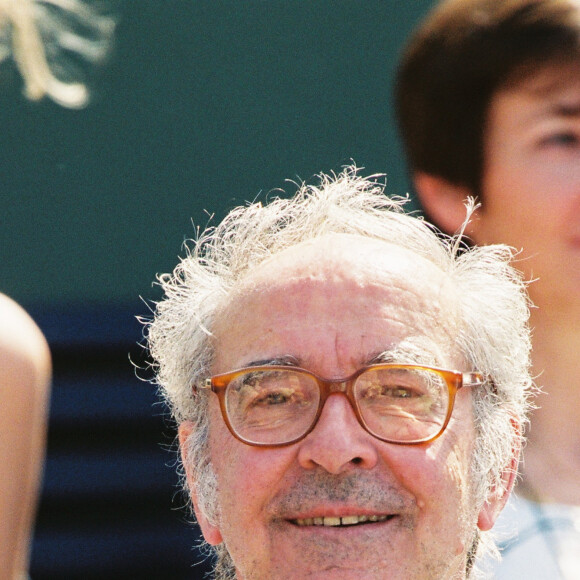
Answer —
336 521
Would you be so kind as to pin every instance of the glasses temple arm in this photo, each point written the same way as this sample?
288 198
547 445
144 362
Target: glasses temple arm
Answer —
472 379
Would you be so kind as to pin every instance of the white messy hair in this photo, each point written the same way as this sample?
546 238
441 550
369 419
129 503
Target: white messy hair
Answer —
494 336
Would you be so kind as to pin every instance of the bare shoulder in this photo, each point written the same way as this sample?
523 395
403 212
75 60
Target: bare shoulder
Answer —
24 353
25 376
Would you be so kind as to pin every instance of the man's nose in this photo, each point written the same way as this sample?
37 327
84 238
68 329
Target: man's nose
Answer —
338 442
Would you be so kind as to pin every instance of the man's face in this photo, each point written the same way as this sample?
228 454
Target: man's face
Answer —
531 183
333 306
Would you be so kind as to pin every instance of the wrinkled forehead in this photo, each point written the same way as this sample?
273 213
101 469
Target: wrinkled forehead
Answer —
336 275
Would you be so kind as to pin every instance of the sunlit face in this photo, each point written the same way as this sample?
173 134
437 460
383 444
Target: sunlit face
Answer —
332 306
531 183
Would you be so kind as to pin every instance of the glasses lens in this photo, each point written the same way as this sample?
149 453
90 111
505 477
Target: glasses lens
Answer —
402 404
272 406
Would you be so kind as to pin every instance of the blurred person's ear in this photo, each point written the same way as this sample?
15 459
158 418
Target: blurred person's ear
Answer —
442 201
210 531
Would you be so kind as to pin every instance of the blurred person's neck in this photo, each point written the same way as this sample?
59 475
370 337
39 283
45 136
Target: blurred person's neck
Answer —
552 454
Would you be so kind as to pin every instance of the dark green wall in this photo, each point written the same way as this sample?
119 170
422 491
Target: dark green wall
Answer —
205 104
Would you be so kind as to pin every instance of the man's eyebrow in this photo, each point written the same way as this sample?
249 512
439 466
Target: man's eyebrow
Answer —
401 354
383 357
287 360
404 354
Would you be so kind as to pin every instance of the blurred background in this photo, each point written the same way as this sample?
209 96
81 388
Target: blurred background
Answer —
203 104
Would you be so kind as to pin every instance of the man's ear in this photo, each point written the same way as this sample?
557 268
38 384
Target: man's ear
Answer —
210 531
498 495
443 201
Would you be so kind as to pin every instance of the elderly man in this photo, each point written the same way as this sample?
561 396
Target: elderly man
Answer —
350 388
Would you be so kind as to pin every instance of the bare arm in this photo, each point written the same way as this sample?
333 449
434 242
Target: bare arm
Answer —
25 372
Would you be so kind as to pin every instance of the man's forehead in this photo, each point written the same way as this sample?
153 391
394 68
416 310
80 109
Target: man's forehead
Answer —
335 255
351 267
337 304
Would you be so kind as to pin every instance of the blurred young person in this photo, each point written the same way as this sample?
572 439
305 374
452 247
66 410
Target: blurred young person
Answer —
488 103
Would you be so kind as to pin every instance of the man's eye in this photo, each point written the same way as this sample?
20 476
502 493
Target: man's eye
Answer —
391 392
400 393
273 398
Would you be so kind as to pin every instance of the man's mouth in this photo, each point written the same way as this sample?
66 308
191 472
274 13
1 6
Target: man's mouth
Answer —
333 521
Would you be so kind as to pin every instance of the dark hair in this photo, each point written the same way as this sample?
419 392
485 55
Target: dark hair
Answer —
455 62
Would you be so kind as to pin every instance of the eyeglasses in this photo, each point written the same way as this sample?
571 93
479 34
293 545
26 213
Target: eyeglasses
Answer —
272 406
